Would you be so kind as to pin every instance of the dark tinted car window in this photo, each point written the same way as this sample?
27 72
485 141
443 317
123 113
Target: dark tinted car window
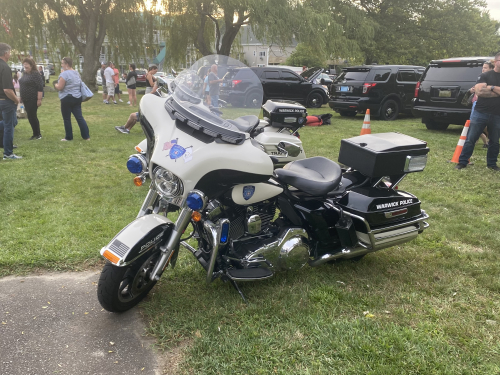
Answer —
353 75
244 74
407 76
272 74
452 74
419 73
289 76
381 75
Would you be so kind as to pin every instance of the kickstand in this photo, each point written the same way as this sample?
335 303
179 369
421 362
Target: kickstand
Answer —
238 290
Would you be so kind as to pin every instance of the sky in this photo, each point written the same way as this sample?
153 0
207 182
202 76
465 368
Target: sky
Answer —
494 8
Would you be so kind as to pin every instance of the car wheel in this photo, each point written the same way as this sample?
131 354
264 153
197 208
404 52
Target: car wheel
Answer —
315 100
254 100
389 110
347 113
435 125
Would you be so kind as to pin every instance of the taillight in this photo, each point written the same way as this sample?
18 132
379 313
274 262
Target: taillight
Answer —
236 81
417 89
367 87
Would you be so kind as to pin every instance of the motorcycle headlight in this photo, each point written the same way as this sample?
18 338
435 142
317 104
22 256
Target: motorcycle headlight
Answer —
166 183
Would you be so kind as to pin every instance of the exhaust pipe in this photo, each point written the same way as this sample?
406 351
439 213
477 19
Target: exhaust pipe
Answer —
346 253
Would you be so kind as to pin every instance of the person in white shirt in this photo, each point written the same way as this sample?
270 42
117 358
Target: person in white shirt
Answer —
110 83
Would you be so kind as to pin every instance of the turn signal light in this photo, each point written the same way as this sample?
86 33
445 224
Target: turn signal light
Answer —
417 89
111 257
196 216
137 148
367 87
137 181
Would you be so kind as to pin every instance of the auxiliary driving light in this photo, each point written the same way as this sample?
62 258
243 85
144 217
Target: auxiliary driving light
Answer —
136 164
195 201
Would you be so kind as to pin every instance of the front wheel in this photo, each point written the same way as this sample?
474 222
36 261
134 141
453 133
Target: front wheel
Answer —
121 288
315 100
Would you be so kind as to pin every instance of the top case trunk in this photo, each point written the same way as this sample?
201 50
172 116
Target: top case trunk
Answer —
379 155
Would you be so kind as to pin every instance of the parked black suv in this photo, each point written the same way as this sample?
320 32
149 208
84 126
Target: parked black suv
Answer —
386 90
439 94
278 84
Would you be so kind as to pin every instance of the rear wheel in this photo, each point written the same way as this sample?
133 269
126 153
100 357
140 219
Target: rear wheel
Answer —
389 110
121 288
253 100
347 113
435 125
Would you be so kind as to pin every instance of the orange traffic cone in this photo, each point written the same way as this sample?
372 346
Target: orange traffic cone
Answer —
460 144
366 129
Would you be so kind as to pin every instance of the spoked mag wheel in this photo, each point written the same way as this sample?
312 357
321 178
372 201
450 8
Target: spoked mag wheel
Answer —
121 288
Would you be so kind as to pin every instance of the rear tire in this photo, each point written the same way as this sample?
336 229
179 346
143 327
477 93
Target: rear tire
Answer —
435 125
253 100
121 288
389 110
347 113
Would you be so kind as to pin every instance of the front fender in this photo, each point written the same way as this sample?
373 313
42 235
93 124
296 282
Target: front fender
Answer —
140 236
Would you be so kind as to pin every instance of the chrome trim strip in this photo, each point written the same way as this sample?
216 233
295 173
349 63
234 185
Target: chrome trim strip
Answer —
148 201
215 232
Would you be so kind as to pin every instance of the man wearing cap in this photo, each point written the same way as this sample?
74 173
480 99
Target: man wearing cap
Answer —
110 83
8 104
486 114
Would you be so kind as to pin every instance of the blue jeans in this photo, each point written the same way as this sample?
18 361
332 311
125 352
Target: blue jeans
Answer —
478 122
214 100
9 114
473 106
70 105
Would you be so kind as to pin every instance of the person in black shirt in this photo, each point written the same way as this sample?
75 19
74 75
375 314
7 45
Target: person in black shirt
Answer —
42 74
131 82
8 104
486 114
31 88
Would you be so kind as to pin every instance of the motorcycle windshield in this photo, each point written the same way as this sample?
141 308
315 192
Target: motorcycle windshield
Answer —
220 95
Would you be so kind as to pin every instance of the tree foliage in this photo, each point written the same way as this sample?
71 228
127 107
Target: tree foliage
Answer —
305 55
61 25
417 31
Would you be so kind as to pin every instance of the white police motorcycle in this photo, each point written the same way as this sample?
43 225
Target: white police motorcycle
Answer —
245 219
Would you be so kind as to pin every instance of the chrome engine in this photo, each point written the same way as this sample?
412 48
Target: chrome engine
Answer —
290 251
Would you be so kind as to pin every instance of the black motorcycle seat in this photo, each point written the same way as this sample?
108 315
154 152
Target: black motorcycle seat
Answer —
245 124
315 176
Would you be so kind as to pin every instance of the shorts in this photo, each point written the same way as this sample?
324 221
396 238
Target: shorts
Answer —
104 89
110 86
117 89
132 87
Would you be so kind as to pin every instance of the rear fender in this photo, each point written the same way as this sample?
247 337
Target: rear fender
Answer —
142 235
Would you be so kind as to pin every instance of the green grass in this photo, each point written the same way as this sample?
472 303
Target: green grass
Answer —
427 307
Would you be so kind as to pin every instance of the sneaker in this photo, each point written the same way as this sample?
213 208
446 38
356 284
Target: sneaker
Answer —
106 102
115 102
33 137
128 102
121 101
122 129
460 166
11 157
39 137
494 168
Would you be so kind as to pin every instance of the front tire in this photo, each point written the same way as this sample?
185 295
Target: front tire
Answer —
347 113
121 288
315 100
253 100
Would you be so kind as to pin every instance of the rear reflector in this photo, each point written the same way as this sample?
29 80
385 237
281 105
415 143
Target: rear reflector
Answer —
403 211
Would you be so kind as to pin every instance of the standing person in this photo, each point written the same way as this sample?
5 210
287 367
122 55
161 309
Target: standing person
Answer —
150 79
103 81
116 78
131 82
69 87
31 90
206 89
486 113
214 83
8 104
487 66
110 83
42 74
